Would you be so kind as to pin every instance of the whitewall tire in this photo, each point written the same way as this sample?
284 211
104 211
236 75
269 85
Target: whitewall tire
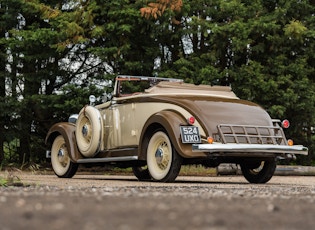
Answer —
88 131
60 160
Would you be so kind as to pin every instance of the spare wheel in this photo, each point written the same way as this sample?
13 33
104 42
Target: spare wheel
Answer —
88 131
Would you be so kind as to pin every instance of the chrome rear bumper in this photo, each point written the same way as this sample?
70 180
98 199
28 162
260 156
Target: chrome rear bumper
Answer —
250 148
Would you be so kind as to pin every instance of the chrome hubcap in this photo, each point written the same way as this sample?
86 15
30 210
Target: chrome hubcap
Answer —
85 130
159 155
162 155
61 155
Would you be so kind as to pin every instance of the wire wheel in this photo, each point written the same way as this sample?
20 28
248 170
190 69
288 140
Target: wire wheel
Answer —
163 161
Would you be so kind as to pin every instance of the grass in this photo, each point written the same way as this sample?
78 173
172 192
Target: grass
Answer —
10 178
3 181
10 181
197 170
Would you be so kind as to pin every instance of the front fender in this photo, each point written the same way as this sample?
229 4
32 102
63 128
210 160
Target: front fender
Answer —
67 130
171 122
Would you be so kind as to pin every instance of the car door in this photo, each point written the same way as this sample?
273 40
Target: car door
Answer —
120 120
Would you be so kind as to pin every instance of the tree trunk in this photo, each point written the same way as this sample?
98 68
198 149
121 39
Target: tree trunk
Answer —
25 147
31 88
2 96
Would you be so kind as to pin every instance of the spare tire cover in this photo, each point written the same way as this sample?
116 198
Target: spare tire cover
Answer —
89 131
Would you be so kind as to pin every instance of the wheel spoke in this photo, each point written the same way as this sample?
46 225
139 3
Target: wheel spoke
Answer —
163 163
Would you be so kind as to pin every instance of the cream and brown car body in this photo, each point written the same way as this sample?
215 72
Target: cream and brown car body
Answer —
167 124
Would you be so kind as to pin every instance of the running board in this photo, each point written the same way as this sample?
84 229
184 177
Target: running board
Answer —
107 159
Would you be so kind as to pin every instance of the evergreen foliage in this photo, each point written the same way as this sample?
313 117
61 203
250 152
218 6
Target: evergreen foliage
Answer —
54 54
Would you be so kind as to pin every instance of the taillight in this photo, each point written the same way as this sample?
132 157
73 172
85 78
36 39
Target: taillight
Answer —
285 124
191 120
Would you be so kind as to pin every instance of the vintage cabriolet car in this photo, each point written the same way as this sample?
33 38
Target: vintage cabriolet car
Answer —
155 125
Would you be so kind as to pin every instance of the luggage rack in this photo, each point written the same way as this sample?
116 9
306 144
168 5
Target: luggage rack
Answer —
249 134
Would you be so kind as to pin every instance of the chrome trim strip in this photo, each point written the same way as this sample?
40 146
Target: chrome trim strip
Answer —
107 159
280 149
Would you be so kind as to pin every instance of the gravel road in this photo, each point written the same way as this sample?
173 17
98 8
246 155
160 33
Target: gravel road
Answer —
122 203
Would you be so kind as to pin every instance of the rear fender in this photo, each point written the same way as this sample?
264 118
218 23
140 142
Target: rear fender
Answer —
170 121
67 130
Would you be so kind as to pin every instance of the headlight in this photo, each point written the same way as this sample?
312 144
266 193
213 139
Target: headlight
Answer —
73 118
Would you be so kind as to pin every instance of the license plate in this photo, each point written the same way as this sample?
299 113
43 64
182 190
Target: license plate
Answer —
190 134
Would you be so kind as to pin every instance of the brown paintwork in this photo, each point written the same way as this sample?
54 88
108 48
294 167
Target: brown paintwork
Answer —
67 130
171 121
213 111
